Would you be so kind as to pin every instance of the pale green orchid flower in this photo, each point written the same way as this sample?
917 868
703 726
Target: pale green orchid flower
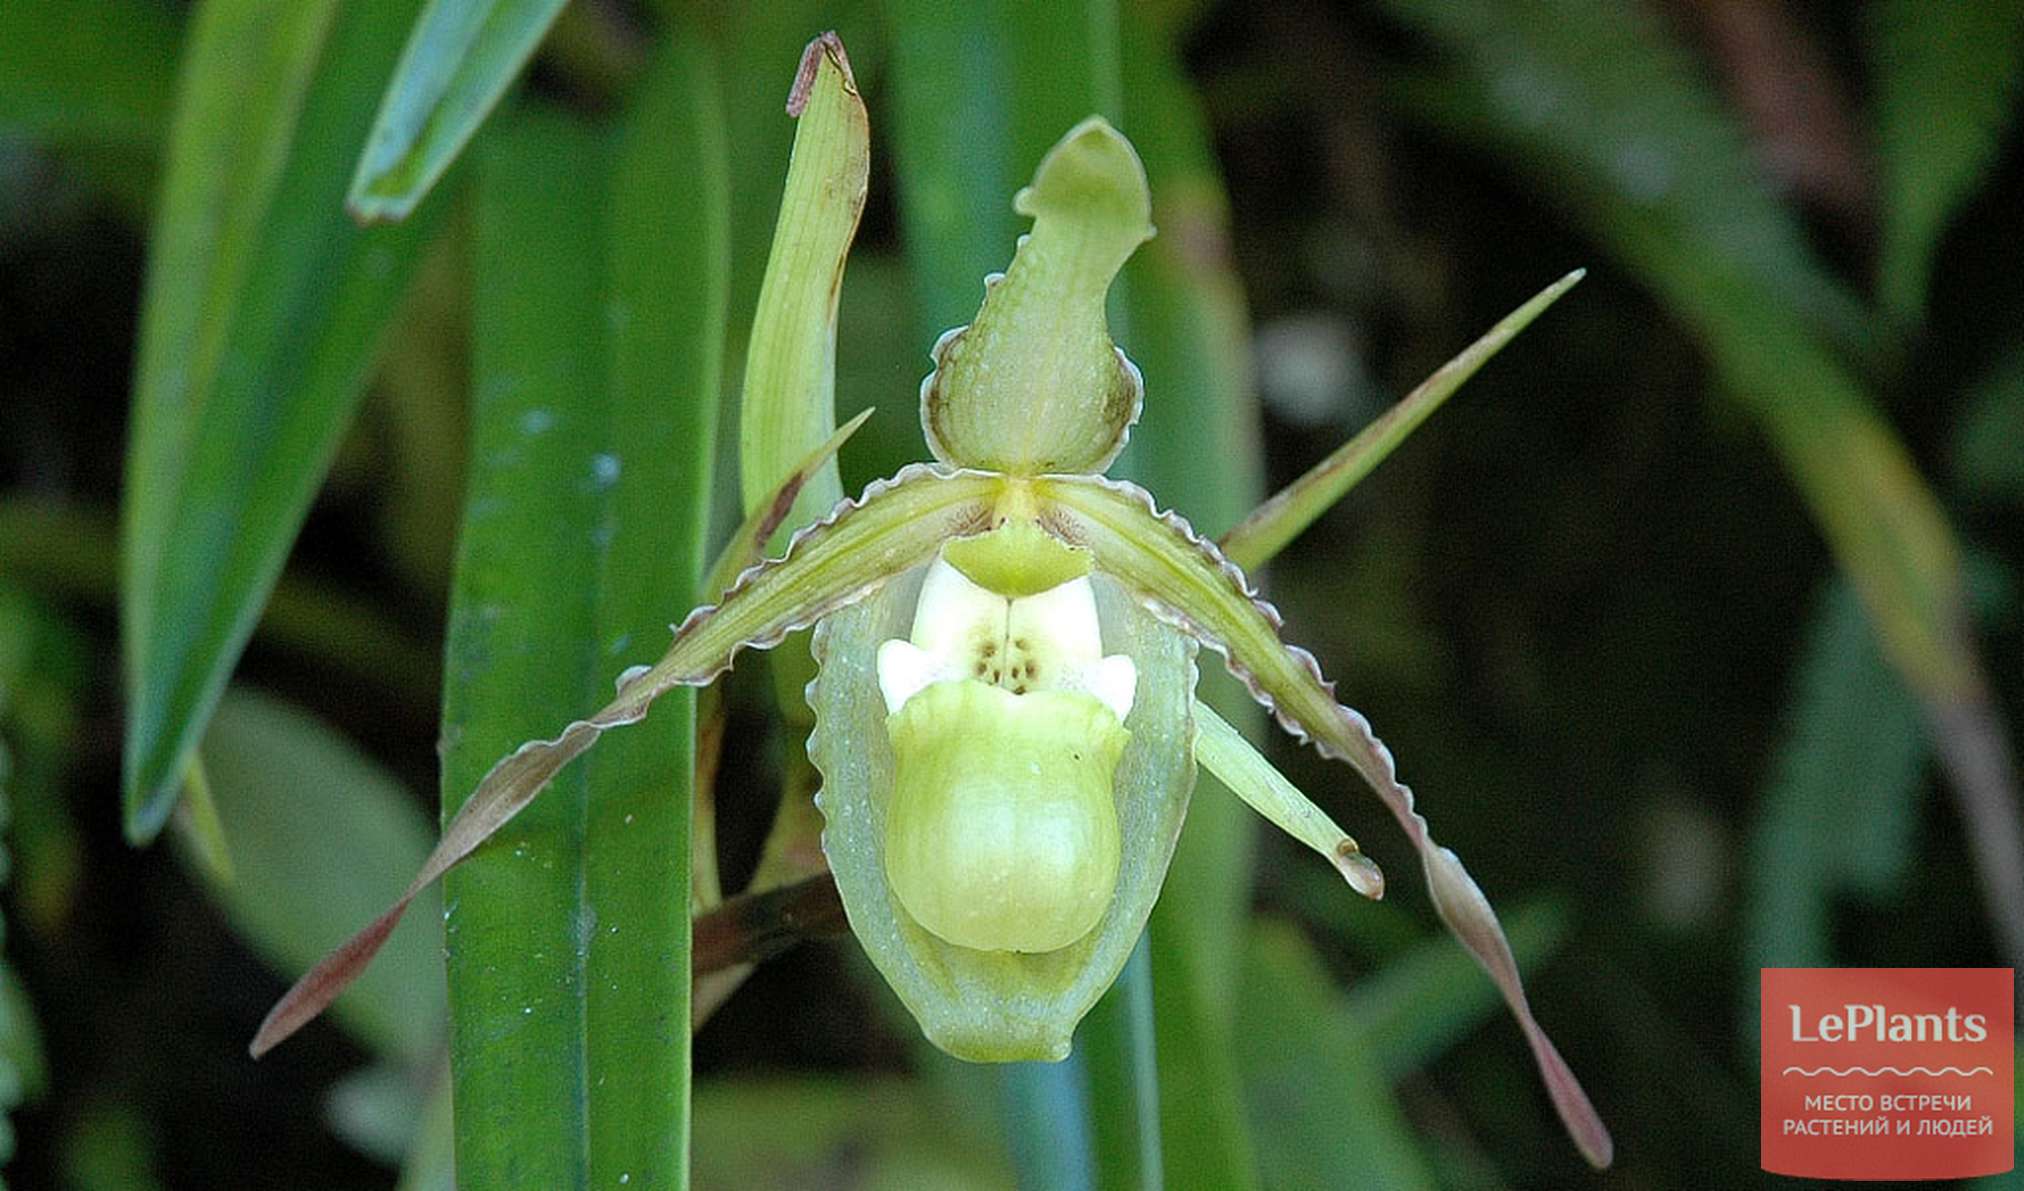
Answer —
1005 713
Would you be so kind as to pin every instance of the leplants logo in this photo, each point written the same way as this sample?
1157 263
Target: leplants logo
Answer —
1888 1073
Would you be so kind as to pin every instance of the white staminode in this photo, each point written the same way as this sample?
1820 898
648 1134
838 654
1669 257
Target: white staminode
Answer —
1048 641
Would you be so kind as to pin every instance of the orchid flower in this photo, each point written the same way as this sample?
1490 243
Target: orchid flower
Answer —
1005 715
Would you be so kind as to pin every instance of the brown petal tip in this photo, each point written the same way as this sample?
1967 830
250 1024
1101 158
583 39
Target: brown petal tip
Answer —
830 46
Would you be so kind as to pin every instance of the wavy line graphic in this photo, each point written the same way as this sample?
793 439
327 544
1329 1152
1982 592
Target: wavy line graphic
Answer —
1882 1070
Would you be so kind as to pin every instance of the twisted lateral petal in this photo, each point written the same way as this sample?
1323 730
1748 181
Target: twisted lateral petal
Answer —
1185 580
895 525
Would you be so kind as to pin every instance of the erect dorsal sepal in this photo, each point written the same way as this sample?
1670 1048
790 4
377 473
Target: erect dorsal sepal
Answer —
1035 386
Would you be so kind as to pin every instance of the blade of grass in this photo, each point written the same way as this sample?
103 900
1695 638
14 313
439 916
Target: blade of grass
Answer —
261 314
597 344
1947 77
667 234
459 60
321 837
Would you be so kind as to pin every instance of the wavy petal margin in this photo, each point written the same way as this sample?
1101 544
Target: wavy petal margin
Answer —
1186 580
896 524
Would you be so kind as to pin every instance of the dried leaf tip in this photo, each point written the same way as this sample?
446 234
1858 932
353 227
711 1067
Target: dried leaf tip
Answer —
829 46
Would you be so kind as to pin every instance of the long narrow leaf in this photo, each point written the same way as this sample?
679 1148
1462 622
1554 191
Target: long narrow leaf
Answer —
667 239
322 838
1947 75
1320 1103
597 345
1838 813
261 315
459 60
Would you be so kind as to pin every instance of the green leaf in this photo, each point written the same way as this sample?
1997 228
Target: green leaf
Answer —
1838 814
883 1131
261 314
1268 529
99 73
322 837
1946 75
459 60
597 332
1320 1103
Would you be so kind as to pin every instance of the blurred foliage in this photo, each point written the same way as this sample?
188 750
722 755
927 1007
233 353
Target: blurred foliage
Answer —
1670 615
